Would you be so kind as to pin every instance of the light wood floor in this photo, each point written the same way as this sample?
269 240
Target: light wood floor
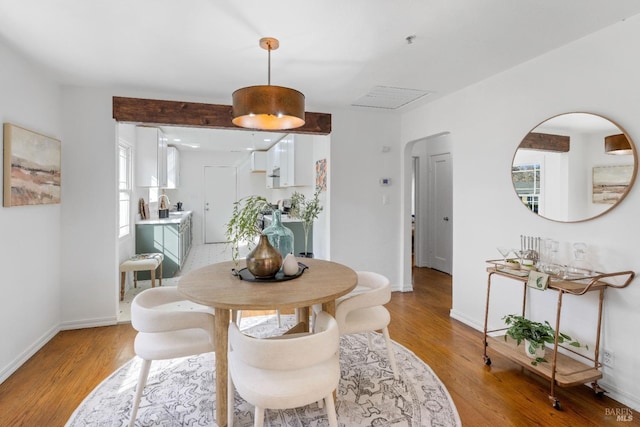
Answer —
47 389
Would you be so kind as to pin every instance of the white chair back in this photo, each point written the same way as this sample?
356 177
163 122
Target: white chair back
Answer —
167 329
373 289
154 310
285 372
288 353
362 310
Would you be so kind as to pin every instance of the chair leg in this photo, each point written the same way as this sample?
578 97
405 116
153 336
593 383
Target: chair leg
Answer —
142 381
135 279
231 390
392 357
153 278
331 411
160 271
258 417
278 316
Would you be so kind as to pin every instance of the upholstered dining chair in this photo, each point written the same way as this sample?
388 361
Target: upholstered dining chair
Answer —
285 372
362 310
169 326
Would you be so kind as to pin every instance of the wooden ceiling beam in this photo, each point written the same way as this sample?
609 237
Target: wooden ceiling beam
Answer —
194 114
546 142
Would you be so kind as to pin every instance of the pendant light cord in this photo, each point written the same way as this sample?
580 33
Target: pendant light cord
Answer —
269 63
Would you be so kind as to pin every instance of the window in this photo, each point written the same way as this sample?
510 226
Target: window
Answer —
124 187
526 180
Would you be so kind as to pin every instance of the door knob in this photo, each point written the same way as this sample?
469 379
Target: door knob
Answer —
446 218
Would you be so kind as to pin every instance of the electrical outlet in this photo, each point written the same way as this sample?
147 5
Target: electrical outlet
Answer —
608 358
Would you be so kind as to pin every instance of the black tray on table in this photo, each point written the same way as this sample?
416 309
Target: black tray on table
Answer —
245 274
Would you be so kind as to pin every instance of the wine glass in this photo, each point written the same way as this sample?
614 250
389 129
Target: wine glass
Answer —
504 251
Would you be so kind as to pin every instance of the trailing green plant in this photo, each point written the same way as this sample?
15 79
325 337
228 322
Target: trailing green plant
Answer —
537 334
306 210
243 227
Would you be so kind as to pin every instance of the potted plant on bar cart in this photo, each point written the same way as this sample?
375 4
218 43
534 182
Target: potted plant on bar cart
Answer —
535 336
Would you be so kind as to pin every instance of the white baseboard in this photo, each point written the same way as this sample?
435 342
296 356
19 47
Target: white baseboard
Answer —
401 288
619 396
89 323
466 320
26 355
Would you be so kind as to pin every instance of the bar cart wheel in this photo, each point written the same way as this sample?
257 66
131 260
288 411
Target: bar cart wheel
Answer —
487 360
597 389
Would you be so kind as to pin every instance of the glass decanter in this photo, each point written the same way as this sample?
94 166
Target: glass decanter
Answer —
580 266
280 237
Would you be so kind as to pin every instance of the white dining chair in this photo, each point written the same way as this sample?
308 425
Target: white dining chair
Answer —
169 326
285 372
362 310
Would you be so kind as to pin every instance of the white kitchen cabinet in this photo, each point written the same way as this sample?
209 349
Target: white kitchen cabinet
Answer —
296 161
151 157
258 161
173 167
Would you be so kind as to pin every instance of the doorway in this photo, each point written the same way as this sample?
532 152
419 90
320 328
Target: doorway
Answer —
439 212
220 193
428 205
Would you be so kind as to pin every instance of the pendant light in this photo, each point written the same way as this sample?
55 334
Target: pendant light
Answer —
268 107
617 144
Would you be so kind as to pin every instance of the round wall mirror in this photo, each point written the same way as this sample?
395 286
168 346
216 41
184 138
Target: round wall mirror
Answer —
574 167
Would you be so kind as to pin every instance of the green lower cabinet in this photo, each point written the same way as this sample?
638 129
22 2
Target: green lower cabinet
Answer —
162 238
298 237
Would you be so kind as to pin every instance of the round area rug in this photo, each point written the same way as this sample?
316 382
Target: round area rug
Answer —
181 392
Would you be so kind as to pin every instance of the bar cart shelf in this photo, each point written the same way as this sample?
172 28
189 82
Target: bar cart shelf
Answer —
561 370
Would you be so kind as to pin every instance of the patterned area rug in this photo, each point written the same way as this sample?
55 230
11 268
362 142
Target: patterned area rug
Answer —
181 392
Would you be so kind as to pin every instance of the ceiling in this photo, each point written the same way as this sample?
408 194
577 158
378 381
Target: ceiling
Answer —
338 53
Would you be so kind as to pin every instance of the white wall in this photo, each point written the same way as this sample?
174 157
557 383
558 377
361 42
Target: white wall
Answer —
89 246
30 249
487 122
364 231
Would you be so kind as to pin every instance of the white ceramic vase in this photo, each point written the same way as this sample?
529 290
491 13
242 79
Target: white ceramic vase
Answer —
533 352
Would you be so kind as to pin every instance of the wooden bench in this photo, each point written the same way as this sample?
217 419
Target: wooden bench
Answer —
141 262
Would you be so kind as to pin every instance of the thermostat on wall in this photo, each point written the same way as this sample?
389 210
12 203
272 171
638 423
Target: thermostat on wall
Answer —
385 181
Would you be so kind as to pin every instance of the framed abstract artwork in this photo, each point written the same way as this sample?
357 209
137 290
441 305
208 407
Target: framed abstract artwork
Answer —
321 175
31 168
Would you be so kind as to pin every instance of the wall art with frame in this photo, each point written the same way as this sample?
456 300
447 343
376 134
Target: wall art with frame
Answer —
610 182
31 167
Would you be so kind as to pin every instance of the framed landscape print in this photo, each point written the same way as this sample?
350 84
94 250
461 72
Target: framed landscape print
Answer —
610 182
31 168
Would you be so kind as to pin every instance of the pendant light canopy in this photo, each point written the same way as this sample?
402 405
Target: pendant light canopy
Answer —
617 144
268 107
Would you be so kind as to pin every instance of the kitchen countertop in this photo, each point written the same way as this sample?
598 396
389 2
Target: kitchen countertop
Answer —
175 217
284 218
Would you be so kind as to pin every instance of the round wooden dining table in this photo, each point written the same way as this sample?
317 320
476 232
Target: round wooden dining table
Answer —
215 286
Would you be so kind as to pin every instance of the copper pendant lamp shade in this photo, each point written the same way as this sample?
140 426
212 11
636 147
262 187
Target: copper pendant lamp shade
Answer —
268 107
617 144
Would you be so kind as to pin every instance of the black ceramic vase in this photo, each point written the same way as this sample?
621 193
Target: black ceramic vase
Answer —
264 260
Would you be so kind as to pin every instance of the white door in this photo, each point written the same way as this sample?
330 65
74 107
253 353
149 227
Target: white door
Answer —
440 209
220 193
